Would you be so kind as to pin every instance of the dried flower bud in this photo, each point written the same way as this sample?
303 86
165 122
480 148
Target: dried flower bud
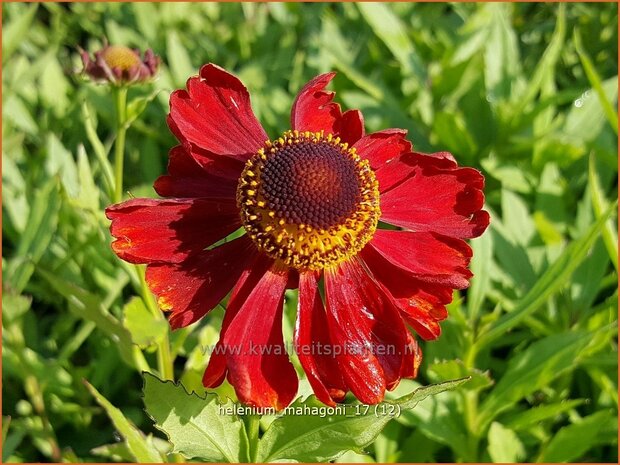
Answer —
120 65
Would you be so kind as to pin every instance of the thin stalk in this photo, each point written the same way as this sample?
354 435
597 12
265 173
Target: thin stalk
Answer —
120 106
35 393
253 426
164 356
470 403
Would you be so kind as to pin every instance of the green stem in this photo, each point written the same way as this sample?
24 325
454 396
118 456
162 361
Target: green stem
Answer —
164 356
120 106
253 426
470 403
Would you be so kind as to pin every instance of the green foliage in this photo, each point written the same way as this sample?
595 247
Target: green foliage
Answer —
527 93
195 426
209 429
135 441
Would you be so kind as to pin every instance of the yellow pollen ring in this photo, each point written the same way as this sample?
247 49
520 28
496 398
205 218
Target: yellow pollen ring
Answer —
295 244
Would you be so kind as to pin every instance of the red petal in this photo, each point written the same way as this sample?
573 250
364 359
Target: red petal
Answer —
194 287
421 304
363 320
214 178
313 109
383 147
399 169
258 365
312 342
216 368
446 201
215 114
150 230
412 359
351 126
430 257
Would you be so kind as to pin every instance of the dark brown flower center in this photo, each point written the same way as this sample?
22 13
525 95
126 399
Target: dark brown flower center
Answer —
311 184
308 200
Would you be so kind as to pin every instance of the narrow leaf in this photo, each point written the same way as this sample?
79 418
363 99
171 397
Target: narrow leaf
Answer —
481 268
15 31
389 28
599 204
572 441
41 227
136 441
89 307
532 369
549 283
596 83
534 416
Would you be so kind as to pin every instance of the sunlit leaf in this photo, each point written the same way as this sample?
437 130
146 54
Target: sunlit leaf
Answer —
195 426
136 441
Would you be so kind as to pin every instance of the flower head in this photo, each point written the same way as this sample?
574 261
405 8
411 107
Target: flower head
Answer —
120 65
312 203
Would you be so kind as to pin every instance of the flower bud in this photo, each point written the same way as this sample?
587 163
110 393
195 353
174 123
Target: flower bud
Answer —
120 65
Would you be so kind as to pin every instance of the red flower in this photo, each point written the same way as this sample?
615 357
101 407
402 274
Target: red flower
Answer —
310 204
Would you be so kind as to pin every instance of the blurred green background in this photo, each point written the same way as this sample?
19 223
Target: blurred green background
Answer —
527 93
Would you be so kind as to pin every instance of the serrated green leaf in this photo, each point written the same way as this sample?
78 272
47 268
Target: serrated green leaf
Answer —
136 441
572 441
145 328
310 438
195 426
504 445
